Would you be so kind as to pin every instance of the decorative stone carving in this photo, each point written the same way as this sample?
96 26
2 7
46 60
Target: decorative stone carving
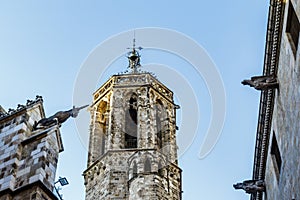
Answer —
251 186
262 82
28 159
58 118
21 107
134 157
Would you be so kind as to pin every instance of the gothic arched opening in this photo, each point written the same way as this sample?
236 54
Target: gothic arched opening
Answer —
147 165
134 170
131 123
159 120
160 169
101 119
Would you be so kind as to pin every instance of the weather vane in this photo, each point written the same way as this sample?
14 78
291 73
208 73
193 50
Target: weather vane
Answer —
134 57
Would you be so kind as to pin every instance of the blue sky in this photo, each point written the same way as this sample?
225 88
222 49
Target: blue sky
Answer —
45 43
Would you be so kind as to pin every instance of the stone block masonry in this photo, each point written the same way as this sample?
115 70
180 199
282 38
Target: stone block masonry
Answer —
132 147
28 158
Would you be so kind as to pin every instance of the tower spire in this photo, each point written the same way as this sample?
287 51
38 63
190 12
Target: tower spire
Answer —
134 57
134 39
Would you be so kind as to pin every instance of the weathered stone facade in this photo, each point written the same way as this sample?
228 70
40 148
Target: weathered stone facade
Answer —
277 151
283 167
28 159
132 147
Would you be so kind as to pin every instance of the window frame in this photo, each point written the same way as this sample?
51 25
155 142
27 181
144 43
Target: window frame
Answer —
276 156
292 28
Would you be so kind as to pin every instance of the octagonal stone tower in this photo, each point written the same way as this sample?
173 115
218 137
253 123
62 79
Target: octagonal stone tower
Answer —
132 147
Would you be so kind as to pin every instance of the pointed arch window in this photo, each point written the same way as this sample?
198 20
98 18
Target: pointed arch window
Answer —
160 169
134 170
147 165
131 123
159 123
101 126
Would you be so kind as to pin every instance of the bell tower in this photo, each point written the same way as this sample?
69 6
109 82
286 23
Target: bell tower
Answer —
132 145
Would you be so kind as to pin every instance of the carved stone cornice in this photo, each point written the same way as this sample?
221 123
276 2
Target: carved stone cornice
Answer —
272 50
133 80
21 108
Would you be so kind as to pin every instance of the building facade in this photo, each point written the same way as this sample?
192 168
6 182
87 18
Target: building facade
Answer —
277 152
132 145
28 158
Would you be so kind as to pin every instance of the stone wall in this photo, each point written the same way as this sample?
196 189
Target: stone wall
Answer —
112 176
28 159
107 178
31 192
284 183
132 147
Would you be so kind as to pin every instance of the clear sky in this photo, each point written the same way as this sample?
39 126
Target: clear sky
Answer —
43 45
